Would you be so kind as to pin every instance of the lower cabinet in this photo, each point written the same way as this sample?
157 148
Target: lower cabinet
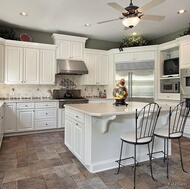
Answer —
74 133
29 116
45 115
10 118
1 123
25 120
61 118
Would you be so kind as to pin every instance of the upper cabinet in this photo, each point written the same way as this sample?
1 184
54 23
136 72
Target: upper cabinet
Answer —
97 64
184 52
69 47
2 57
134 56
27 63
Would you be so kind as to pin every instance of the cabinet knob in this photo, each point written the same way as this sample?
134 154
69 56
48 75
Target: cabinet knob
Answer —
46 124
46 113
77 116
26 105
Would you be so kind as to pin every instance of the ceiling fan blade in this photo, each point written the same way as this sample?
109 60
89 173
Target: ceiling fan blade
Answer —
117 7
150 5
152 17
108 21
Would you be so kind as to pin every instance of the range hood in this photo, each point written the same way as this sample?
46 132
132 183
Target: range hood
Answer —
71 67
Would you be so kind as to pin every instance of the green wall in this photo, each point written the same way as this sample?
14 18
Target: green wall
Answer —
168 37
43 37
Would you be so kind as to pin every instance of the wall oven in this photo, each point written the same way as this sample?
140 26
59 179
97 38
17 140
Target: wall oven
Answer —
185 81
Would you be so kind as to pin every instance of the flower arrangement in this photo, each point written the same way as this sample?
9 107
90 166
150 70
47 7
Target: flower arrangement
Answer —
133 40
120 91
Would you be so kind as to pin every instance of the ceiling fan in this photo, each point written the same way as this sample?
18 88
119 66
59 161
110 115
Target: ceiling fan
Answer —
133 14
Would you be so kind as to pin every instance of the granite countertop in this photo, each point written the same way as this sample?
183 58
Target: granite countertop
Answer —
108 109
29 100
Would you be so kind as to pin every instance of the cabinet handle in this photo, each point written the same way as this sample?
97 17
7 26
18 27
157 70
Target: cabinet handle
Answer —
77 116
76 123
46 113
26 105
46 124
46 105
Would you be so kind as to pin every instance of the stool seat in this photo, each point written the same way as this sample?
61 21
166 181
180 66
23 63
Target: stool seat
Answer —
163 132
131 138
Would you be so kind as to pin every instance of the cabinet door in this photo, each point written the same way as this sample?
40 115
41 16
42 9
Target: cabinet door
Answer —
102 72
90 78
184 55
47 67
2 63
69 133
13 65
61 118
31 66
63 50
1 124
146 55
25 120
124 57
78 139
10 118
76 51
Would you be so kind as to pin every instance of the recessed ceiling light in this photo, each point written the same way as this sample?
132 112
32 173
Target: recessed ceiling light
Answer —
134 33
181 11
87 25
24 14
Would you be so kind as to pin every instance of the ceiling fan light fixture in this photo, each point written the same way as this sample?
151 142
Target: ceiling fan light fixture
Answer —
130 22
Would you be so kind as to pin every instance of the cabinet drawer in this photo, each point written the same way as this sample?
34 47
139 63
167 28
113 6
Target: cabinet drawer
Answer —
25 105
45 124
77 116
46 104
45 113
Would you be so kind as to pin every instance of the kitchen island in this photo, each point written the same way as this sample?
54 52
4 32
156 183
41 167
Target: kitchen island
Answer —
92 133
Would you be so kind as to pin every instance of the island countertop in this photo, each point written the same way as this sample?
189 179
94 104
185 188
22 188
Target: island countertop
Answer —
107 109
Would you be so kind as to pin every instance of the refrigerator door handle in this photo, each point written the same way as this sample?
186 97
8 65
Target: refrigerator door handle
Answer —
129 86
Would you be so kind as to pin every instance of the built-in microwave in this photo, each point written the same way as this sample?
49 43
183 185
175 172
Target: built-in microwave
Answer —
170 87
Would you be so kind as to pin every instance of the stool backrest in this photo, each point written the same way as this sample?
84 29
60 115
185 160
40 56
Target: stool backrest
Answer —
178 117
146 120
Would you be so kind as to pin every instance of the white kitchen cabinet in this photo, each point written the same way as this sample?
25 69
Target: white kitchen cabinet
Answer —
45 115
74 130
47 66
1 124
10 118
29 63
31 66
61 118
25 117
13 65
97 63
166 51
2 60
134 56
21 65
184 55
69 47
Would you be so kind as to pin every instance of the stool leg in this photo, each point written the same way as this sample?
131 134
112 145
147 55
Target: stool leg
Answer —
134 166
167 158
164 149
150 159
181 156
119 162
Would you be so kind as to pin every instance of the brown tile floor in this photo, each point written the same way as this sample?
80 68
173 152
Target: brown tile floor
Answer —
42 161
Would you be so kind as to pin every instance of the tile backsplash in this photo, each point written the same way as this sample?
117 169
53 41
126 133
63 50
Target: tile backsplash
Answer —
39 91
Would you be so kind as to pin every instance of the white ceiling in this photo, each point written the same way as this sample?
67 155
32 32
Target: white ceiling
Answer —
69 17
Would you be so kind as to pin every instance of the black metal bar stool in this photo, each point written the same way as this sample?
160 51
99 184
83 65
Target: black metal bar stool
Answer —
173 130
145 123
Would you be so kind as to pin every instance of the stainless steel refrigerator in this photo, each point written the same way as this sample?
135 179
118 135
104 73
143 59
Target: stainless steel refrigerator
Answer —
139 80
